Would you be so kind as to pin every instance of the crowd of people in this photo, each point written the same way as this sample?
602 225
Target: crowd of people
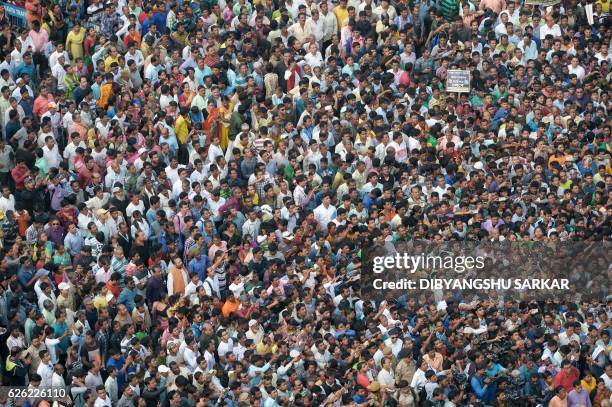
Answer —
187 187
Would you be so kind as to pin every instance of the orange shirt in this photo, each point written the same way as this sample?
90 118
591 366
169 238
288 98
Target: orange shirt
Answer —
23 222
229 307
560 159
136 38
106 90
113 288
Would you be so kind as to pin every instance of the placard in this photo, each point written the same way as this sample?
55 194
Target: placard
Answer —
458 81
545 3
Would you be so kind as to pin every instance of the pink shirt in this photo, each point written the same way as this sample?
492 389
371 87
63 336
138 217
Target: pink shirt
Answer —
39 39
41 105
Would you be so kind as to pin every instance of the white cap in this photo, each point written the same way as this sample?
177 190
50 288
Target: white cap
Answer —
287 235
261 239
252 322
163 369
63 286
478 166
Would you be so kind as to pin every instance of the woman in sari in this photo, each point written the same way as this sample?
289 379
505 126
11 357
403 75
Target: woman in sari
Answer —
89 46
74 41
225 113
211 124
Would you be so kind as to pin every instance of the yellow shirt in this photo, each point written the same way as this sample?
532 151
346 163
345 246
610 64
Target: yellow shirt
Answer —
342 15
108 61
181 129
605 5
74 43
589 386
264 349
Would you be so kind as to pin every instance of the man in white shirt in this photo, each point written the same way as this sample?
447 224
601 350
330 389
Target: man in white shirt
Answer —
57 380
59 73
529 47
191 355
226 344
103 400
399 146
70 150
607 376
394 341
214 150
53 115
325 212
575 68
51 343
211 284
385 377
255 333
27 43
330 20
252 225
151 72
419 380
111 385
317 24
301 29
7 201
191 290
17 55
565 338
550 28
59 51
45 369
135 55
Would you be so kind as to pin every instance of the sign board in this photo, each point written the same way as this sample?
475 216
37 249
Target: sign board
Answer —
458 81
589 13
16 14
544 3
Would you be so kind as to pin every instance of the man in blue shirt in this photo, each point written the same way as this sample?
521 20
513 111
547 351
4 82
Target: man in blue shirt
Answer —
120 364
26 103
26 67
481 386
159 18
128 294
26 274
73 242
199 263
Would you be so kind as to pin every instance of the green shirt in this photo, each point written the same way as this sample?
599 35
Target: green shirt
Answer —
289 172
43 166
448 8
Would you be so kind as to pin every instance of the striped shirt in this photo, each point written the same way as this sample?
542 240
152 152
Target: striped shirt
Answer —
119 265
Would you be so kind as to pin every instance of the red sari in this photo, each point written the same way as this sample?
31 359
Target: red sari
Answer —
210 125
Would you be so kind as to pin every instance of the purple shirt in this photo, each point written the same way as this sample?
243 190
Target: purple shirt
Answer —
57 195
576 399
56 235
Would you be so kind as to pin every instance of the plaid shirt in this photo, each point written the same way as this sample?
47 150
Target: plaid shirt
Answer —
260 188
107 22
